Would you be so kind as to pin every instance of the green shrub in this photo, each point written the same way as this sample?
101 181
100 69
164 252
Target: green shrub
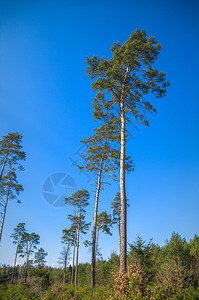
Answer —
189 294
17 292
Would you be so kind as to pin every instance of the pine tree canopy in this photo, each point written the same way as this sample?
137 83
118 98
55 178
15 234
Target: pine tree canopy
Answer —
130 72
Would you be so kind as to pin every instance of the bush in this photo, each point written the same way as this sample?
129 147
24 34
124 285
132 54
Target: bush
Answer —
78 293
17 292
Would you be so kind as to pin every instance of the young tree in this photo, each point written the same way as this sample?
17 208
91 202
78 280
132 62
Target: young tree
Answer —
9 189
142 252
102 158
18 232
177 248
121 83
28 244
11 152
40 256
80 201
194 254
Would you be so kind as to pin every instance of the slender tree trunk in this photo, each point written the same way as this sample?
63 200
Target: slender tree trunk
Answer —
119 231
72 276
4 213
96 242
77 253
65 263
15 257
95 222
123 233
64 276
4 163
26 274
123 229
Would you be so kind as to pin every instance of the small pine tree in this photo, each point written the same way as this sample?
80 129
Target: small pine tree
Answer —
17 234
40 256
79 201
68 238
28 244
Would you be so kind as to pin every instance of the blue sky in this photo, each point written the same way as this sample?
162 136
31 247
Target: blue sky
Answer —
46 95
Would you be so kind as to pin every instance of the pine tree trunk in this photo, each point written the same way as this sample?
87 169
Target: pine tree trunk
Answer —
119 231
4 213
77 253
65 263
95 222
123 233
72 276
123 229
26 274
4 163
96 243
15 258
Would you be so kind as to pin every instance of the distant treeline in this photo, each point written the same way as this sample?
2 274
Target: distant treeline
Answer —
154 272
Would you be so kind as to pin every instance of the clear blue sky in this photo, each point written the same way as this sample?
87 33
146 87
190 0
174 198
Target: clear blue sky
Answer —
46 95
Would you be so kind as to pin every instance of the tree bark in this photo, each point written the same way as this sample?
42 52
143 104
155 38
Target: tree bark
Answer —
96 242
123 227
65 263
72 276
4 163
4 213
95 223
119 231
76 270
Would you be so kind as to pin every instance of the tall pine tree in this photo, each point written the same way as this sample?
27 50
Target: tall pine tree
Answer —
121 83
